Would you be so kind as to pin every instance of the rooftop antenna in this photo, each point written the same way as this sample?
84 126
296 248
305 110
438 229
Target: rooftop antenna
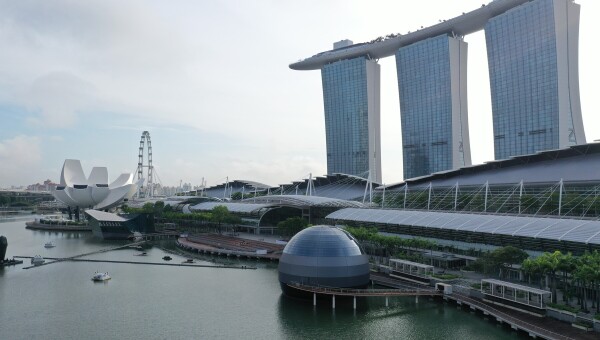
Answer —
369 187
309 189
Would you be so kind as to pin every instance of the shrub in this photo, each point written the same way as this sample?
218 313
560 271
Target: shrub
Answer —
564 307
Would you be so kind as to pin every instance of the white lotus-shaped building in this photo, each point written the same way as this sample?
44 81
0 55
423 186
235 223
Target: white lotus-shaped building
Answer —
94 192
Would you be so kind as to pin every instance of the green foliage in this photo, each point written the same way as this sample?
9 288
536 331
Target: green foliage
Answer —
158 208
171 216
148 208
392 244
236 196
584 272
220 213
508 255
492 262
20 204
564 307
291 226
448 277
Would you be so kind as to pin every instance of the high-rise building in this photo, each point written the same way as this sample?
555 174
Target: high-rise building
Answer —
532 56
432 82
352 125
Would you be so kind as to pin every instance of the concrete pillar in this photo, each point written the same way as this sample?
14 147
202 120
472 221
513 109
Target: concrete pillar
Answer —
333 301
314 299
416 298
386 301
355 302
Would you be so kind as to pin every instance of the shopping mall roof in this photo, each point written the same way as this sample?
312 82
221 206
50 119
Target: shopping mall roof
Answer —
572 164
254 205
243 208
302 201
555 229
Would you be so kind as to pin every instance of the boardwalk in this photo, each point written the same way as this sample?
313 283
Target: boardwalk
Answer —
531 325
364 292
354 293
540 327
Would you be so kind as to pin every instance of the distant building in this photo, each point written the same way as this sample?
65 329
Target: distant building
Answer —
77 191
532 56
533 65
432 82
352 124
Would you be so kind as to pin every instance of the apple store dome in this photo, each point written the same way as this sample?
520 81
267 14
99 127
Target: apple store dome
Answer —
323 256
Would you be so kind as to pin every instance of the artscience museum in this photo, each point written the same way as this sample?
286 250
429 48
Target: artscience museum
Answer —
77 191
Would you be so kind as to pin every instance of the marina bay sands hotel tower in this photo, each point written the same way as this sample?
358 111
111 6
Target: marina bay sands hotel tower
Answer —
532 48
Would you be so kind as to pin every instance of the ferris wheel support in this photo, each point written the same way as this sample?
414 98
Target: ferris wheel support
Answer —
148 190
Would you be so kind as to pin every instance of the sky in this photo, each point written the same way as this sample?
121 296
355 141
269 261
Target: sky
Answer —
210 81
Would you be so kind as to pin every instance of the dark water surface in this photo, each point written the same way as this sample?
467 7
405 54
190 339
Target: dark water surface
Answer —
59 301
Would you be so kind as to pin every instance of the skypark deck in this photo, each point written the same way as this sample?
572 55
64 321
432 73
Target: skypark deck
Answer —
461 25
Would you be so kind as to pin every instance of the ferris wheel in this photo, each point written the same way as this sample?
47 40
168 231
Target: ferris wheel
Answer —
147 188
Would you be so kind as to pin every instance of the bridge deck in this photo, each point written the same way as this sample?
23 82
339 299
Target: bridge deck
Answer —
363 292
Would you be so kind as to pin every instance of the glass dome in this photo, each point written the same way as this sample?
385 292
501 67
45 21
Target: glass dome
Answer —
323 241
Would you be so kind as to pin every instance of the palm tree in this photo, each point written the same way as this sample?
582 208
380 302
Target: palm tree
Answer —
566 265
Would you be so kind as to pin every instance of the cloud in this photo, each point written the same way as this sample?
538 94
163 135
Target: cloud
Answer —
18 156
57 98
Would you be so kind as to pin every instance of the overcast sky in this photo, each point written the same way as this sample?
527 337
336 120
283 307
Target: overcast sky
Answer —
210 81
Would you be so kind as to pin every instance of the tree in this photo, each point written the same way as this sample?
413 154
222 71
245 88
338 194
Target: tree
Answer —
219 214
148 207
159 208
549 262
506 257
566 265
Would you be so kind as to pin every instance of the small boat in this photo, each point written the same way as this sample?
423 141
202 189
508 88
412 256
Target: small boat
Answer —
167 258
136 236
37 260
188 261
99 277
141 254
49 245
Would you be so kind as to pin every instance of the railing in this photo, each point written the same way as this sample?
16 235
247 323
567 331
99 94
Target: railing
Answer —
506 317
361 292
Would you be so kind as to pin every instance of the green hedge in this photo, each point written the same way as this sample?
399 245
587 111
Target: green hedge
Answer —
564 307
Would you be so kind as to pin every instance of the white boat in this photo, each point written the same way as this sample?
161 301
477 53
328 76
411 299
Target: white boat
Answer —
100 277
49 244
37 260
136 236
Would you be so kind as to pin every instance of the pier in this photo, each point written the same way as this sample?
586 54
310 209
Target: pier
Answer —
354 293
536 327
